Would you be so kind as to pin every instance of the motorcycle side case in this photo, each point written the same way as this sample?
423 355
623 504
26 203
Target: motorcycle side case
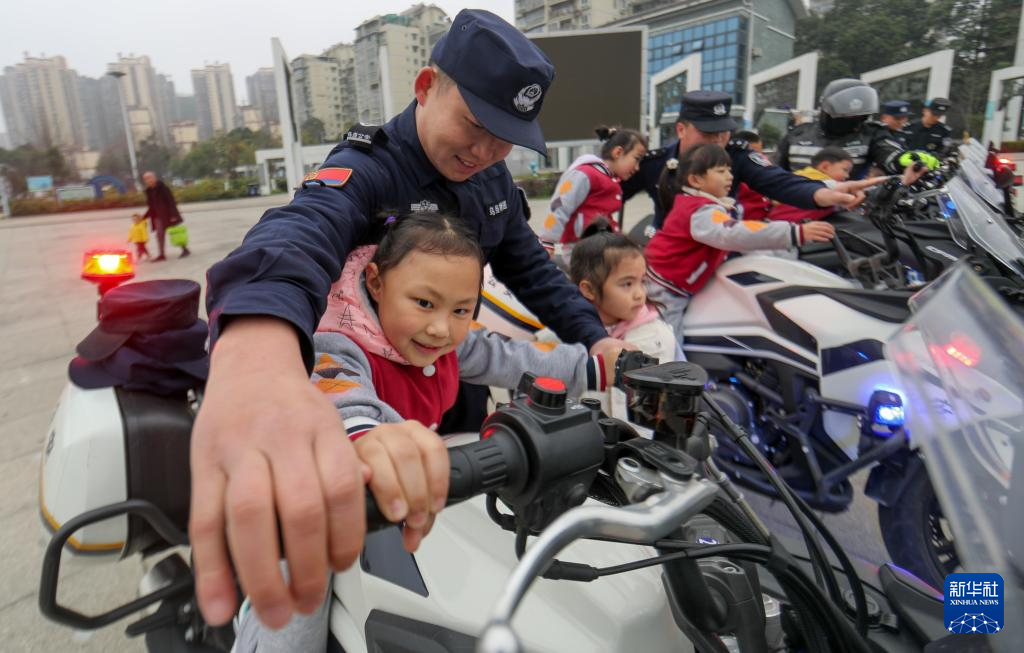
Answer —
83 468
443 598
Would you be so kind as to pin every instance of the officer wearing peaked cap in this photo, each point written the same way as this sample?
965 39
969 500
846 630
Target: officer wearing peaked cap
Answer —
481 93
895 115
704 118
930 133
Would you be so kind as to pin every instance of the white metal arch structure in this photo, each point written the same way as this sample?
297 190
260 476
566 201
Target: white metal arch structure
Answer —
995 116
806 69
939 66
690 66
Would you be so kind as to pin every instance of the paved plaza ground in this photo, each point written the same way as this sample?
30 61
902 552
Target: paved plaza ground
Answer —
45 309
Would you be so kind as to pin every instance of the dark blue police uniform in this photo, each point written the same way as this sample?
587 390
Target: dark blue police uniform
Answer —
287 262
709 111
937 139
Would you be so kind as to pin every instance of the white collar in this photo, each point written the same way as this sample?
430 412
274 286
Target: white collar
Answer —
727 202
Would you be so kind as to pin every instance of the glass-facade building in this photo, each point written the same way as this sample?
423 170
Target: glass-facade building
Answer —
722 44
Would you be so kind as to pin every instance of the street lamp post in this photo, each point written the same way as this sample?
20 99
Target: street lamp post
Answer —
117 75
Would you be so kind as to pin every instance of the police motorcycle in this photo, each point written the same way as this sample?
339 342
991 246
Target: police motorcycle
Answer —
660 515
798 356
928 236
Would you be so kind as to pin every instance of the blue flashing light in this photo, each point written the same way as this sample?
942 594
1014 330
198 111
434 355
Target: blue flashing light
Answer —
733 379
889 415
886 408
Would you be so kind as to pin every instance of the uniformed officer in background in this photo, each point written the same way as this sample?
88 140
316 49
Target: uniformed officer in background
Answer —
704 118
845 108
930 133
895 115
268 448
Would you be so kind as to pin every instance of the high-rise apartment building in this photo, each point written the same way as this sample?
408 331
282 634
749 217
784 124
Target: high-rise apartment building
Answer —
41 103
345 54
101 112
215 100
389 50
561 15
145 92
316 93
262 93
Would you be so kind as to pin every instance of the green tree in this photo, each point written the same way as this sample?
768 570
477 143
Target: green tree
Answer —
860 35
27 161
154 156
313 131
114 161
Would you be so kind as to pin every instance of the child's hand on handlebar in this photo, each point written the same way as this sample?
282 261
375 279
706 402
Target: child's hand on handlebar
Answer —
610 358
408 474
817 232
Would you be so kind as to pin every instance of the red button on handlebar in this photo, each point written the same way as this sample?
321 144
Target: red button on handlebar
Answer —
550 384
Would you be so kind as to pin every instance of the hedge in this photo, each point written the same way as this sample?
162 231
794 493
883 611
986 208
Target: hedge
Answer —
203 190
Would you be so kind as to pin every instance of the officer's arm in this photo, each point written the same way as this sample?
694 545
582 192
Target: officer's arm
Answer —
885 151
522 264
286 263
754 169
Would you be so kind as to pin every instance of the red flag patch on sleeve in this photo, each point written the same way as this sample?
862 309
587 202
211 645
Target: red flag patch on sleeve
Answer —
334 177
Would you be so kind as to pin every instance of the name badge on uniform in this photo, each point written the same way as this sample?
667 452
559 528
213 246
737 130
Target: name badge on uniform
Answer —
497 209
422 206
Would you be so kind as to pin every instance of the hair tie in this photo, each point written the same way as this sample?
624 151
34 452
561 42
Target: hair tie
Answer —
672 164
390 220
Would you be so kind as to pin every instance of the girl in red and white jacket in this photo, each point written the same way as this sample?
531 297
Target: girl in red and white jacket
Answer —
395 340
703 227
589 194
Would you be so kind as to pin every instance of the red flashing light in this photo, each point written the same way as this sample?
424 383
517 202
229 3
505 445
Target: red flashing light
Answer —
104 266
960 348
1009 163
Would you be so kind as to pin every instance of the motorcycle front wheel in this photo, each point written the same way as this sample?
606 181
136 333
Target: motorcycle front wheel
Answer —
917 535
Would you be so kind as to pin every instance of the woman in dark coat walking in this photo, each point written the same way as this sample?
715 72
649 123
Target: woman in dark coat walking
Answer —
162 211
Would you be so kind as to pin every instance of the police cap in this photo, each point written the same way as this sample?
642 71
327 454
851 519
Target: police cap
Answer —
898 108
501 75
937 104
707 110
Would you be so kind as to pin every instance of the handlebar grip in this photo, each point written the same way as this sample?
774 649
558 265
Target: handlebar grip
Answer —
488 465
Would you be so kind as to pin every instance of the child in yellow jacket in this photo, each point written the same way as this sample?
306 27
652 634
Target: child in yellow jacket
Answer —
138 233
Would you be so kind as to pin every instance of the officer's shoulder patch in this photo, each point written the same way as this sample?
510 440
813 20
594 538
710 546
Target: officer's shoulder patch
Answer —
759 159
333 177
363 136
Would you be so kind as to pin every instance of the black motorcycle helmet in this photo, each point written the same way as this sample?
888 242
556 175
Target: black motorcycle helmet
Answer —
845 105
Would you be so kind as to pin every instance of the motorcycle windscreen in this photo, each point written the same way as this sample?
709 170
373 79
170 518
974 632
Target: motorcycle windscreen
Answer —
986 227
961 362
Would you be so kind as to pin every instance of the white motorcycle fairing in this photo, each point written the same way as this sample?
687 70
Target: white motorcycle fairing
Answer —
807 330
463 566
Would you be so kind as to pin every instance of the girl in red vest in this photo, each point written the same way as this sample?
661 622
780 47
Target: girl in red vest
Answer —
397 336
703 227
589 194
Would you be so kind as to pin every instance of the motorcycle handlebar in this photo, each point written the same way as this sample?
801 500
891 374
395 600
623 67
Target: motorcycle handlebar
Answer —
490 464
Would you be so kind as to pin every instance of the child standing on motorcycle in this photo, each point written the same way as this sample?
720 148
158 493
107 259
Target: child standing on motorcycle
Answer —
590 189
703 227
830 165
397 337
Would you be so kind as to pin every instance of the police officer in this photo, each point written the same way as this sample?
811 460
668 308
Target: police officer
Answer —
930 133
895 115
268 447
844 108
704 118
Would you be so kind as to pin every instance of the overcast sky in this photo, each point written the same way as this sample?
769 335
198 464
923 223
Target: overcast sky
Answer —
179 35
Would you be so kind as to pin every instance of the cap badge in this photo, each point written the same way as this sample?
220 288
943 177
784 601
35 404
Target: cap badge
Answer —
856 103
527 98
719 109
